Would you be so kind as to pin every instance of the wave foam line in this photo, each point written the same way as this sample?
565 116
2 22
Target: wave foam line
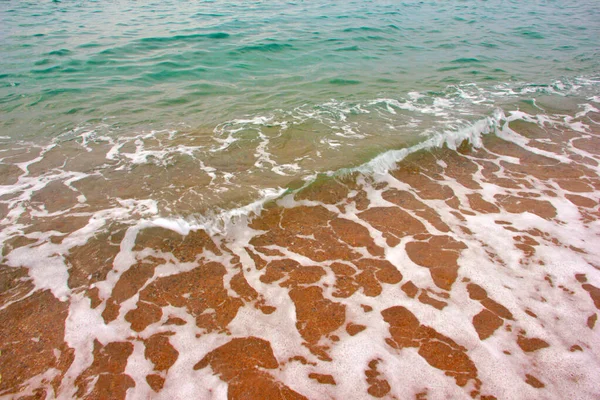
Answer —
219 223
473 133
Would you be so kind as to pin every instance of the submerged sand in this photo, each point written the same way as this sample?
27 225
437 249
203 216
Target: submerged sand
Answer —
463 273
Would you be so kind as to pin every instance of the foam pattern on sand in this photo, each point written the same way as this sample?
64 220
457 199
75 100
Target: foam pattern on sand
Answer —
468 270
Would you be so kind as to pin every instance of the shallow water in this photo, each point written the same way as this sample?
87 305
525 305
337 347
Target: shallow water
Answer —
467 271
262 96
291 200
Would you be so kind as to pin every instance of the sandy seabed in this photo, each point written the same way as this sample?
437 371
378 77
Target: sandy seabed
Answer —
463 273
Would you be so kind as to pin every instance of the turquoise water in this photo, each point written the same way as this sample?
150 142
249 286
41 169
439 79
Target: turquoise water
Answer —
201 63
264 94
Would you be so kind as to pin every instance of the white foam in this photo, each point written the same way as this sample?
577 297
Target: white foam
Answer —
516 283
176 225
388 160
219 222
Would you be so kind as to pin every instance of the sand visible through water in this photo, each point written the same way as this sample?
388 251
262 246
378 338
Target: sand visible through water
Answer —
468 270
291 199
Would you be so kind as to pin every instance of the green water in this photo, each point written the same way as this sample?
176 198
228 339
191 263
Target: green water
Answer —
161 64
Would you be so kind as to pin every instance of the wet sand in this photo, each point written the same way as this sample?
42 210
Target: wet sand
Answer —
463 273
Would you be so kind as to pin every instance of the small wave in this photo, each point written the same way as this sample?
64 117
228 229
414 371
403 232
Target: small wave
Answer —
267 47
362 29
340 81
465 60
529 33
220 222
371 38
446 46
170 75
245 149
489 45
218 35
185 38
89 45
60 53
50 70
452 139
349 48
452 68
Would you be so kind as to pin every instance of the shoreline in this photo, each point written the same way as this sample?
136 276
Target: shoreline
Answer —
467 273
